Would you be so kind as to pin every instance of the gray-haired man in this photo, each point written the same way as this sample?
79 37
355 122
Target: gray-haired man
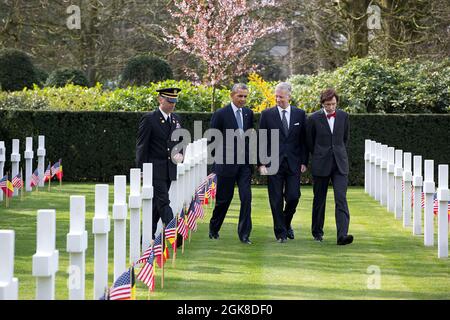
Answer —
284 183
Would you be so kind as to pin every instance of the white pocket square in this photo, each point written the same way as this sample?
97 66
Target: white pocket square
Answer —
297 124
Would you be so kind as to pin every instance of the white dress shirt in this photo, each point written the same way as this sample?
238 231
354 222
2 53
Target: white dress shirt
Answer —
165 115
288 114
330 120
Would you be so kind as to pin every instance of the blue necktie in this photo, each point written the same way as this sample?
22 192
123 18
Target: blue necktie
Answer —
238 119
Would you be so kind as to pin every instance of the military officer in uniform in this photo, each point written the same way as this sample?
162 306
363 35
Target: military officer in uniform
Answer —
154 145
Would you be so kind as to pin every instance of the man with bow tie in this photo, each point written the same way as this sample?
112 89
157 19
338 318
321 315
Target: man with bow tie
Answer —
154 145
327 139
292 155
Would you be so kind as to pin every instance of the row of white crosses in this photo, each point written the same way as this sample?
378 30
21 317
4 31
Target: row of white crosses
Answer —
28 155
190 174
389 179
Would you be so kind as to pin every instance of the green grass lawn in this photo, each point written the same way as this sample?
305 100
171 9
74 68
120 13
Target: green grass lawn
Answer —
227 269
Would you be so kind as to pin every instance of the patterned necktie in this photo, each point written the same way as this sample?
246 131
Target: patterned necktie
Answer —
285 123
238 119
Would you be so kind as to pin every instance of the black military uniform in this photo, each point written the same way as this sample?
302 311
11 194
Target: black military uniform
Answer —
154 145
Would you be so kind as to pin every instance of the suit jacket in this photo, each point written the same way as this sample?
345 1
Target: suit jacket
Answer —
293 146
154 145
222 120
323 144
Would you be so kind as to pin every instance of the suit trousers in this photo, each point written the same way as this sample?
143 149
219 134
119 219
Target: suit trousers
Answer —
161 203
224 195
320 188
284 195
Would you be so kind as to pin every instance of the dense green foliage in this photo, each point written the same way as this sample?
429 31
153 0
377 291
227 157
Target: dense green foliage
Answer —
16 70
380 86
143 69
365 86
76 98
95 146
64 76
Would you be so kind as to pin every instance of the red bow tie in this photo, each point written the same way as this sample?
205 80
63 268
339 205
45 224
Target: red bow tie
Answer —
331 115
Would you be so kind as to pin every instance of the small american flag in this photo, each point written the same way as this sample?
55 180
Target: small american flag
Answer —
198 209
201 191
34 178
3 181
210 179
47 174
122 288
213 189
192 218
6 186
403 185
158 251
171 231
17 181
56 169
182 227
147 273
436 205
145 255
422 201
208 189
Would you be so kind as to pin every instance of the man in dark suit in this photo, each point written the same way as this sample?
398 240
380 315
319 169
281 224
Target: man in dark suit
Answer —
284 181
229 170
327 138
154 145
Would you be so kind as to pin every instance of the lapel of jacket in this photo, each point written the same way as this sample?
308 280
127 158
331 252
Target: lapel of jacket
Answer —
323 119
162 123
292 119
244 118
173 125
337 121
277 117
232 117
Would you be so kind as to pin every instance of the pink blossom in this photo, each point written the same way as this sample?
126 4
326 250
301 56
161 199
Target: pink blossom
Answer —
220 32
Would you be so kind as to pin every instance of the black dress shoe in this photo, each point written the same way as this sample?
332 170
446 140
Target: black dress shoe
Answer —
281 240
246 241
342 241
290 234
318 239
213 235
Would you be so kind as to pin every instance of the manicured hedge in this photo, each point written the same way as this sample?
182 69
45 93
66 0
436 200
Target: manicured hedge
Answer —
145 68
16 70
61 77
95 146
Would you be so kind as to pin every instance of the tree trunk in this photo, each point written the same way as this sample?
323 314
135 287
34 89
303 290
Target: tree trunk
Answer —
89 43
358 37
392 27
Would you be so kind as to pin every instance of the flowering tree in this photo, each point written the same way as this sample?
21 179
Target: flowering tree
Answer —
221 33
